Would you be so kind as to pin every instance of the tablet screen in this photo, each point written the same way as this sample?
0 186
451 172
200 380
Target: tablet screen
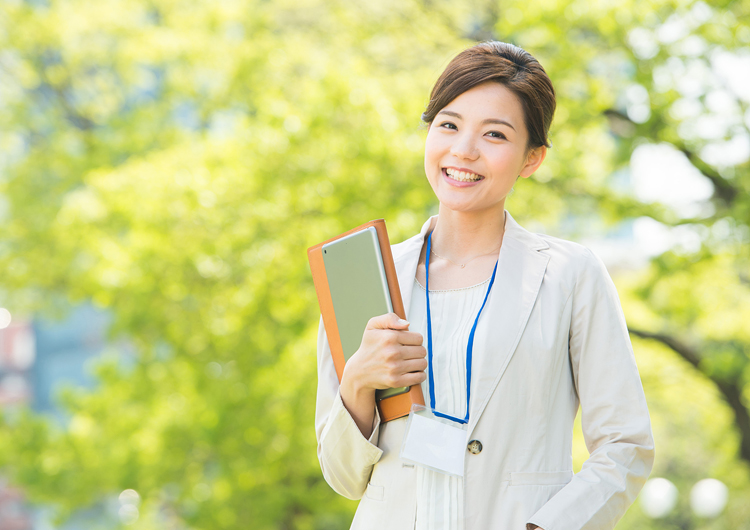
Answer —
358 287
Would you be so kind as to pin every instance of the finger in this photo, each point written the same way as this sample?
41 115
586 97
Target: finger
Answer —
387 321
414 365
413 352
409 379
410 338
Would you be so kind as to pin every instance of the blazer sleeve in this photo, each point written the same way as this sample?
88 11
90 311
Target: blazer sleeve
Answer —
346 457
614 415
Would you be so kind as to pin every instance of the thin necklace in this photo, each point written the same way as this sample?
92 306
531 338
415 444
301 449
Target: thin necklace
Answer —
472 259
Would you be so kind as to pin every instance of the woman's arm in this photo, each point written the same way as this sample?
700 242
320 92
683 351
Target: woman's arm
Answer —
615 419
346 457
389 356
346 419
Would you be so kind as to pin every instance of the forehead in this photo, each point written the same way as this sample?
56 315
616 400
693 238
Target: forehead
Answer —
489 100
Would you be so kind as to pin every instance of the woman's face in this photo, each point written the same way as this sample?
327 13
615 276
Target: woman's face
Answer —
476 147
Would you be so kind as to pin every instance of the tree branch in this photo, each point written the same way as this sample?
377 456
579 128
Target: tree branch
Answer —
69 111
731 391
622 125
723 189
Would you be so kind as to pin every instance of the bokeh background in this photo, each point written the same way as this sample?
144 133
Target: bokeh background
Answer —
164 164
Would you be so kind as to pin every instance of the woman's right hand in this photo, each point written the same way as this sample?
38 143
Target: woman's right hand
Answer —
390 356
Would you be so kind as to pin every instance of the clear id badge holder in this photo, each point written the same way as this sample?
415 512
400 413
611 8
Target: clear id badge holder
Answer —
434 443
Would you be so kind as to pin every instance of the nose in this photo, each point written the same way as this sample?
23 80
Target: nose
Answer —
465 147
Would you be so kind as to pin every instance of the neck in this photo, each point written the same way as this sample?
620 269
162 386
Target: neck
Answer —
460 236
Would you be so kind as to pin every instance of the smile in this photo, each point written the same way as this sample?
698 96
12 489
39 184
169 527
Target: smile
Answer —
462 176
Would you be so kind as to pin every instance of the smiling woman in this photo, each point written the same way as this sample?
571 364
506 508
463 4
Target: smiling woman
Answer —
508 332
467 149
502 63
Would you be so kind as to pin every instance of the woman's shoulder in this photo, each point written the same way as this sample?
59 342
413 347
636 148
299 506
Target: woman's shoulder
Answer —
402 249
577 260
562 252
568 250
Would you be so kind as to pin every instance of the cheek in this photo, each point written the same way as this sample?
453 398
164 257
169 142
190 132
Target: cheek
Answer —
504 160
435 148
429 144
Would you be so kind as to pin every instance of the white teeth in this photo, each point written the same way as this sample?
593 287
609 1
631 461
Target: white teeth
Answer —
462 175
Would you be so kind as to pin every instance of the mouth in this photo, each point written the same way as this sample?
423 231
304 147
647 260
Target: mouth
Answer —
461 175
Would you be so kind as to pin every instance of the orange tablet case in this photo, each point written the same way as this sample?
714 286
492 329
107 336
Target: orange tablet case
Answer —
392 407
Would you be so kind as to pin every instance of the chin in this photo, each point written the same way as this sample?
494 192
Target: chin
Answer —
461 206
464 206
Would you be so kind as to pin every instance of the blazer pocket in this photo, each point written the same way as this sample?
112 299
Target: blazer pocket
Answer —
374 492
545 478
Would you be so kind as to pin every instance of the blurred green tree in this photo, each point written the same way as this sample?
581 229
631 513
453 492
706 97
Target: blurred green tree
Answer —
170 160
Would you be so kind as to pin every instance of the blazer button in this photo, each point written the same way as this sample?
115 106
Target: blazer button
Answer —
475 447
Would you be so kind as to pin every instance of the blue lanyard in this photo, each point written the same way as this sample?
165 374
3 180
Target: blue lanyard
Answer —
469 347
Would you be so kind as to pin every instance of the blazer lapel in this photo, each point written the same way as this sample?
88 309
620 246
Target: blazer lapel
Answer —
520 271
406 261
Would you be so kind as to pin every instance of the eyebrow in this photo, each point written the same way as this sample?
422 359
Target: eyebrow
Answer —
488 120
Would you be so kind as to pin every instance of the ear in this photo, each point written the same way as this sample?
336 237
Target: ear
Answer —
534 159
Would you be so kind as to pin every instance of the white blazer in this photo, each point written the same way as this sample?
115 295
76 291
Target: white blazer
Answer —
551 336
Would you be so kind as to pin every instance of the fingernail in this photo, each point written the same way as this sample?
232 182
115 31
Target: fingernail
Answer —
403 322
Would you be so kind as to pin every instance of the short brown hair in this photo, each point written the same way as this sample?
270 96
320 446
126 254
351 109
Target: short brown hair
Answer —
508 65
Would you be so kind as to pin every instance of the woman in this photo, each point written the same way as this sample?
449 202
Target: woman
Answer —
548 333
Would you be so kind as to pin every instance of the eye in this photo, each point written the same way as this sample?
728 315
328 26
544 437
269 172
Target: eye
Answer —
497 134
448 125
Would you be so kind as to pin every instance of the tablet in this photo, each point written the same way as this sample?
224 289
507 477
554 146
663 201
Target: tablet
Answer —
359 289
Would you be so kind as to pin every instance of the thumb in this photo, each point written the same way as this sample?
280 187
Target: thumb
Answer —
388 321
